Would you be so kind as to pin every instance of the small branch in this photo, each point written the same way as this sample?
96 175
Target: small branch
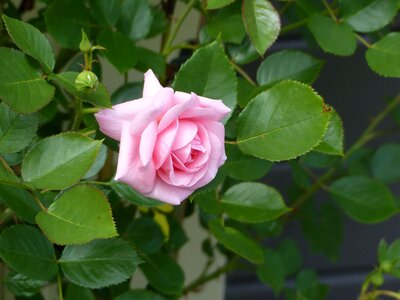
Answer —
178 25
59 283
362 40
78 114
42 207
243 73
97 182
231 142
330 11
90 110
363 139
202 279
374 294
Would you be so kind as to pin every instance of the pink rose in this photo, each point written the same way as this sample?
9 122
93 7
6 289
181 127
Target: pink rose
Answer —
171 143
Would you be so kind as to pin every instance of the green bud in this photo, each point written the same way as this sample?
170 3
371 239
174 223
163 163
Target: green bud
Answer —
85 45
377 279
86 82
386 266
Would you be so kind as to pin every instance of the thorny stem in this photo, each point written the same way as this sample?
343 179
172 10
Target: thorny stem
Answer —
375 294
178 25
60 293
243 73
362 40
299 23
330 11
202 279
78 114
363 139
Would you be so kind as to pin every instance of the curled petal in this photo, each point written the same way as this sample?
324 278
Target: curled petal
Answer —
169 193
187 130
111 119
147 143
152 112
164 143
151 85
130 168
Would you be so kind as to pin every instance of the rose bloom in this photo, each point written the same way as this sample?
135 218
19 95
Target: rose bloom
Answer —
171 143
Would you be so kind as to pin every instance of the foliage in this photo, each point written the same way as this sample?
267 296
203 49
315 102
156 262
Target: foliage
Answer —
62 216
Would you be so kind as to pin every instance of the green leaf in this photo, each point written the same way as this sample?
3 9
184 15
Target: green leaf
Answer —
332 142
262 23
208 73
145 234
148 59
363 199
31 41
272 271
107 12
65 20
323 230
291 256
16 130
126 92
66 80
214 4
21 84
131 195
75 292
243 167
208 202
385 164
242 54
291 120
136 18
164 274
21 202
120 49
253 202
59 161
22 285
100 263
383 57
289 64
79 215
246 92
98 163
6 173
333 37
237 242
309 287
159 23
227 25
368 16
25 249
140 295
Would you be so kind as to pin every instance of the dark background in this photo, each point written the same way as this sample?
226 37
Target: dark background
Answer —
357 94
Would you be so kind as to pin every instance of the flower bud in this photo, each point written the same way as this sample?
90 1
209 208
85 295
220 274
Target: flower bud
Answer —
386 266
86 82
377 279
85 45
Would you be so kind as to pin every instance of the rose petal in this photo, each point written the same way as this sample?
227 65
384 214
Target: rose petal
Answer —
151 84
216 159
153 111
110 120
168 193
127 151
208 109
164 144
187 130
184 101
147 143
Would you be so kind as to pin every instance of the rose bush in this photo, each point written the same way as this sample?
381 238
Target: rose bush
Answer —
64 217
172 143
